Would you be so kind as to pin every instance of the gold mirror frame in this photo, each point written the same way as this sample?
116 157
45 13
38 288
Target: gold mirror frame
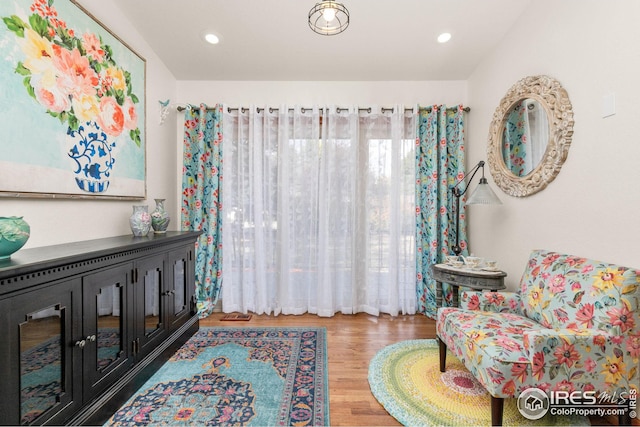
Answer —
555 101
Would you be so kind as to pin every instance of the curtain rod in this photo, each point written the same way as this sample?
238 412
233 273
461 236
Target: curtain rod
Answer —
368 110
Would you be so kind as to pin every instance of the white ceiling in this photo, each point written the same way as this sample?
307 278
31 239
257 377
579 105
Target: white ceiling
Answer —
271 40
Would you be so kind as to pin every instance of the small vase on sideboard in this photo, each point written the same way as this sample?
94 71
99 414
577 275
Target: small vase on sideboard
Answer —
140 220
160 217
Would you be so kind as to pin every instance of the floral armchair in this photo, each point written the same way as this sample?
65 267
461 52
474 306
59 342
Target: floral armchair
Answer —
573 325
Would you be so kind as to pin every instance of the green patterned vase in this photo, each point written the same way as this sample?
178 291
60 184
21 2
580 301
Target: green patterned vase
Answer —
14 233
159 217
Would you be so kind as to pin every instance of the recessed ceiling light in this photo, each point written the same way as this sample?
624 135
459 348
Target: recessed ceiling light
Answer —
444 37
212 38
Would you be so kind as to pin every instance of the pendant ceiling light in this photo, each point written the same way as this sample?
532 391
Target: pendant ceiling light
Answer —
328 18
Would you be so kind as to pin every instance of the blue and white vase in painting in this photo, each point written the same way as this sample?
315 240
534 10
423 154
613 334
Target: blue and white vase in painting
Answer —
160 217
140 220
92 154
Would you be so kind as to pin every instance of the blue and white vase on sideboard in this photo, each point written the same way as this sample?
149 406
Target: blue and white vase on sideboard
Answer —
140 220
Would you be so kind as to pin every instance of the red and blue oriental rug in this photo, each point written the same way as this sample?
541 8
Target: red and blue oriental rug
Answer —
237 376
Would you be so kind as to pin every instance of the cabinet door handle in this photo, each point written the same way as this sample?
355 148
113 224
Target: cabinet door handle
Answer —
80 343
91 338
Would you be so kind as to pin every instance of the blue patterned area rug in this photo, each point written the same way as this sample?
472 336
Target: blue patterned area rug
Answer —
237 376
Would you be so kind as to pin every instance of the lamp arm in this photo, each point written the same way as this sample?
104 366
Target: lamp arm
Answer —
456 192
456 248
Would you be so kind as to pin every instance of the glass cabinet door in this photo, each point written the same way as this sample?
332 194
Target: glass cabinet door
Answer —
150 304
107 347
152 288
41 361
180 269
41 371
179 292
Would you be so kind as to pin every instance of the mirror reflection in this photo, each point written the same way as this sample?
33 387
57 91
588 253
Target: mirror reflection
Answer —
179 279
525 136
41 354
151 301
109 338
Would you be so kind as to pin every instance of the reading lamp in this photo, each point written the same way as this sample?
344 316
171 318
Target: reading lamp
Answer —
482 195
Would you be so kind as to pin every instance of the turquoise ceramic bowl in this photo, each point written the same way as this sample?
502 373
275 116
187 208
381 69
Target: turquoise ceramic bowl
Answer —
14 233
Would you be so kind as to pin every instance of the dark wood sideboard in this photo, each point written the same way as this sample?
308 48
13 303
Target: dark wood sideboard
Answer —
83 325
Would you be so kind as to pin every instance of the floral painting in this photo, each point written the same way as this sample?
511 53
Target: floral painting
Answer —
72 110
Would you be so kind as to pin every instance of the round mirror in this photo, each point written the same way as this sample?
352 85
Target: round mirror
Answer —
530 135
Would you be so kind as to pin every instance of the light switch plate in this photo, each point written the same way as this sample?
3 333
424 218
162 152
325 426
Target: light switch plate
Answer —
608 104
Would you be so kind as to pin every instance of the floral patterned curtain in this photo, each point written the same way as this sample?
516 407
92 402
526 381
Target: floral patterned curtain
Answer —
514 150
202 199
440 160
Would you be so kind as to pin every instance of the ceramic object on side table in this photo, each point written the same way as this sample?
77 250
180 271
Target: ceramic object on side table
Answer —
472 261
14 233
140 220
160 217
450 259
491 265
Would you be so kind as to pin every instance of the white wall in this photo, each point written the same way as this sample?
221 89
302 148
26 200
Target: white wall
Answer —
592 207
56 221
304 93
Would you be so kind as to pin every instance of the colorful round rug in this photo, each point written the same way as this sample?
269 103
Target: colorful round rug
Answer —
405 378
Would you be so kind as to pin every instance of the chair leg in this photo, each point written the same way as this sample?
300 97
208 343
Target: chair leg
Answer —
443 355
625 418
497 404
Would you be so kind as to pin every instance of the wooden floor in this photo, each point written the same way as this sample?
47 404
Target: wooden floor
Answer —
352 340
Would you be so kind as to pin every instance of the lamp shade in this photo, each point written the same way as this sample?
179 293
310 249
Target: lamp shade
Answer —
328 18
483 195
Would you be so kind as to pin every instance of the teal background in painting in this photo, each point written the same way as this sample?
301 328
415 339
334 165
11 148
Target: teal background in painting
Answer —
28 134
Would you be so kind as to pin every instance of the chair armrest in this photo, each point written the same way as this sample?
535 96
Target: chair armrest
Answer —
587 339
597 359
490 301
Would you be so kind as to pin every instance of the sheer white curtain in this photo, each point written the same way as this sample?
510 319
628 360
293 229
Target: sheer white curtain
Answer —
537 130
319 218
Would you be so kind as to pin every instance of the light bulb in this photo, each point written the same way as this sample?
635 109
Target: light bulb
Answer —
444 37
329 13
212 38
